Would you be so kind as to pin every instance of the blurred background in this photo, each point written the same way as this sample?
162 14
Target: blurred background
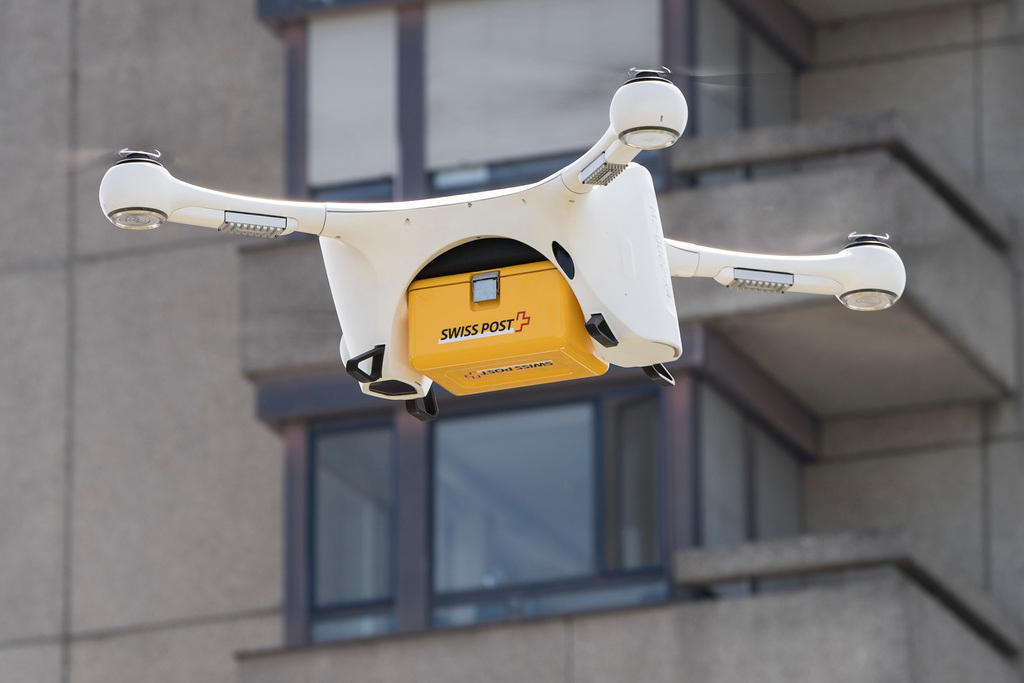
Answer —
191 489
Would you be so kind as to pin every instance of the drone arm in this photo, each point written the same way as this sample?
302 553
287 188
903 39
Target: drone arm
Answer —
146 186
859 267
647 112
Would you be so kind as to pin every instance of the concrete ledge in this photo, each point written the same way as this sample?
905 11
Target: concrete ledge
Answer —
871 627
818 139
808 555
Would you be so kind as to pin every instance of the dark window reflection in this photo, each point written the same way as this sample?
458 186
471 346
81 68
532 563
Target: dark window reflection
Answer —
513 497
369 191
719 69
631 483
352 498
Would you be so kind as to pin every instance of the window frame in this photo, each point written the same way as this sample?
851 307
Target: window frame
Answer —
412 606
600 576
752 421
352 608
678 445
776 23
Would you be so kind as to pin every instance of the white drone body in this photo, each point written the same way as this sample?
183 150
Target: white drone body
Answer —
597 220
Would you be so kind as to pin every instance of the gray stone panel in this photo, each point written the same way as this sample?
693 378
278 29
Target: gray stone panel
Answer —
947 652
33 373
927 348
35 158
202 81
933 497
177 497
1002 111
203 653
876 626
1006 510
519 652
837 362
1002 19
889 36
30 664
837 11
887 432
288 319
934 91
852 633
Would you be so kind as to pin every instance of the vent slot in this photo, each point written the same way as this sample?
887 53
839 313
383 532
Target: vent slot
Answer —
253 224
761 280
600 172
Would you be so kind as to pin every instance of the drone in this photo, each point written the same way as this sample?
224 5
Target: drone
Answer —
514 287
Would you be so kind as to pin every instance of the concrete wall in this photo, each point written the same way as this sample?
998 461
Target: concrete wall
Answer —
954 475
869 629
139 498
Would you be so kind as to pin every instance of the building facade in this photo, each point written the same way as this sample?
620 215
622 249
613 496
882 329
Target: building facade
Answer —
193 489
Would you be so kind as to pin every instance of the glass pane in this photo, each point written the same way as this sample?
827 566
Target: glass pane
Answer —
563 602
631 483
353 516
506 174
723 499
513 497
362 626
772 96
773 85
777 489
559 63
352 96
370 191
718 68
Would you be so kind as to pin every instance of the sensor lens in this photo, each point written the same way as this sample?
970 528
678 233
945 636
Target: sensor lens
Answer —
137 219
649 138
868 300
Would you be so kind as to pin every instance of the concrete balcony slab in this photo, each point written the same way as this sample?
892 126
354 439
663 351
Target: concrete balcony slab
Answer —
950 339
885 613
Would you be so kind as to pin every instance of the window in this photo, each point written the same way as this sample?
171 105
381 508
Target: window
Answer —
631 484
350 115
505 80
481 131
777 490
749 481
723 452
532 516
512 508
368 191
352 505
514 495
490 176
740 81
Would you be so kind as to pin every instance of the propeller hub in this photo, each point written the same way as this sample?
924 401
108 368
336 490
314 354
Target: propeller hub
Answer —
860 239
657 73
139 155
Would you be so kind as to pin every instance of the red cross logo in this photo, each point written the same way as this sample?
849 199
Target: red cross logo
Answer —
523 320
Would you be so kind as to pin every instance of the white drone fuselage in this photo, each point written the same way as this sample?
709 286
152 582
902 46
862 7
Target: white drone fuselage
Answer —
601 211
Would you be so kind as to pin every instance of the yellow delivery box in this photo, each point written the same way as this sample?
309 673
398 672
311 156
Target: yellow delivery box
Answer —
499 329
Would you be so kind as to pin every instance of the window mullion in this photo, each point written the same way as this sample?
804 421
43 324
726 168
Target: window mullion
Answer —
678 452
298 532
411 180
411 523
